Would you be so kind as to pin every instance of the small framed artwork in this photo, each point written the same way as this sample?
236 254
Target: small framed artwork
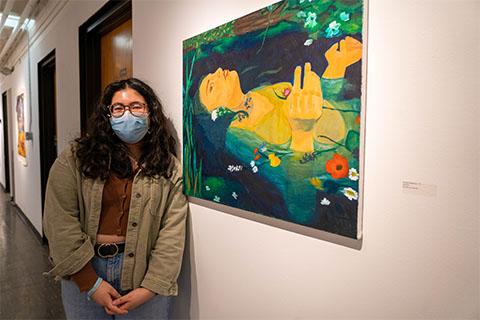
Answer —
20 112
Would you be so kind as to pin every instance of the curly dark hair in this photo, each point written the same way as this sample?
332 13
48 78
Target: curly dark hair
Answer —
100 151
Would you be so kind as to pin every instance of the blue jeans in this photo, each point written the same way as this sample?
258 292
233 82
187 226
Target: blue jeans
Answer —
77 306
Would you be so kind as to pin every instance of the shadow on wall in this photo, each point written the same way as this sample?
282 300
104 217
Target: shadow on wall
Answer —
355 244
173 132
182 306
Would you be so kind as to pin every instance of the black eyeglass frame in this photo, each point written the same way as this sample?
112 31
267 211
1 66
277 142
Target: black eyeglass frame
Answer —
135 114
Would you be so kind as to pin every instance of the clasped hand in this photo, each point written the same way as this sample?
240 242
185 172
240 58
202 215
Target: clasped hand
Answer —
304 105
116 304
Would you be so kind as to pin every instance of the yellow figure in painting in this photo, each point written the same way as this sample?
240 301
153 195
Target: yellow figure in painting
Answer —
283 112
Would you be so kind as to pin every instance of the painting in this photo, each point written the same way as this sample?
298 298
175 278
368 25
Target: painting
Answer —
20 111
272 110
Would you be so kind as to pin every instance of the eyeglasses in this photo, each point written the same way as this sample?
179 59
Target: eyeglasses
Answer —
137 109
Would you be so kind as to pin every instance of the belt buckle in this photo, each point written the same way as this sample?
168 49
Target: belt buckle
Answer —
106 245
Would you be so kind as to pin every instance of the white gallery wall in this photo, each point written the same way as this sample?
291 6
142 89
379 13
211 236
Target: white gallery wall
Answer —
420 254
419 257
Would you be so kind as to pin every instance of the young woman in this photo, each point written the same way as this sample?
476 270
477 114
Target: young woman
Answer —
115 212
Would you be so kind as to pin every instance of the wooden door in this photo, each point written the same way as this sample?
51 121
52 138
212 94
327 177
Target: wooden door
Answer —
116 54
99 67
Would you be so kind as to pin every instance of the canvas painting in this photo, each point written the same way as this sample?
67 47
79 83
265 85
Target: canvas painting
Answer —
20 107
272 114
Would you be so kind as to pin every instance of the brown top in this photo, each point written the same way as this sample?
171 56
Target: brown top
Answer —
113 221
115 206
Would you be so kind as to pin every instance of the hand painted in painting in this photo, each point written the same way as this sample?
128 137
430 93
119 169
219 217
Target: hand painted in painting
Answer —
294 143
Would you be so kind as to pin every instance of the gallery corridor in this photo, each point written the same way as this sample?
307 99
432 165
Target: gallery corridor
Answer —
357 199
24 292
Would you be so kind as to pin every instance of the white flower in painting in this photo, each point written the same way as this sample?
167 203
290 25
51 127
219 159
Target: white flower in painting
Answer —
334 25
234 195
333 29
344 16
207 188
350 193
308 42
301 14
255 169
214 114
234 168
353 174
263 149
311 20
252 163
325 202
216 199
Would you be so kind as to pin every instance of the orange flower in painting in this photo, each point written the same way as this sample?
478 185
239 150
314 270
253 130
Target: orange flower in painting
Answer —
337 167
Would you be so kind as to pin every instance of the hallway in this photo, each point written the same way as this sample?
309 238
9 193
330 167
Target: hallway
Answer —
24 292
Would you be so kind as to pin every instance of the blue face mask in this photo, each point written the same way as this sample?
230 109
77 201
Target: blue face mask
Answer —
128 128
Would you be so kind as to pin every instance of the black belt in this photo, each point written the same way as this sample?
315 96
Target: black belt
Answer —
108 250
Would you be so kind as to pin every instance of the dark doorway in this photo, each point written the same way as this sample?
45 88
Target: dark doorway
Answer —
48 120
6 154
111 16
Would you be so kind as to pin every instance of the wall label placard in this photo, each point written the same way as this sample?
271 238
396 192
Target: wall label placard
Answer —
418 188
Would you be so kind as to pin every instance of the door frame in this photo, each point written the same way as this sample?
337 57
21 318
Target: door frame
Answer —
110 16
6 152
47 118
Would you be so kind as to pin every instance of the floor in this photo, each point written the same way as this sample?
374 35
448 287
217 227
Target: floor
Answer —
24 292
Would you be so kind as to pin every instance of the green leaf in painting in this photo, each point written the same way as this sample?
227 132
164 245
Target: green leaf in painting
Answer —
353 140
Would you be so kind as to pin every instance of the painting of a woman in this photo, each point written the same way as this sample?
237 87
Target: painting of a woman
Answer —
286 149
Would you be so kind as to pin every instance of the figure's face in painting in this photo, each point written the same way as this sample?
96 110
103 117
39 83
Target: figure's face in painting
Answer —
221 89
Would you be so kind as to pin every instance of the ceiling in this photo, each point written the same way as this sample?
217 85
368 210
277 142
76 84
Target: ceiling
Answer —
14 13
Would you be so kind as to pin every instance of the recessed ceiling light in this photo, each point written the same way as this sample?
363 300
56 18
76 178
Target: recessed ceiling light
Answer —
12 21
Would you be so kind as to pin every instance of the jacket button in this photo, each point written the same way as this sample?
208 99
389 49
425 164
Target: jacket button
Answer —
134 224
138 195
131 254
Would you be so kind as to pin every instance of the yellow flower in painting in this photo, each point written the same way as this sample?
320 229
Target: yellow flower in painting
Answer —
317 183
274 160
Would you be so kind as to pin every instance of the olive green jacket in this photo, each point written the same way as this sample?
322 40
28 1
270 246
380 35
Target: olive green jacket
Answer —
155 232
